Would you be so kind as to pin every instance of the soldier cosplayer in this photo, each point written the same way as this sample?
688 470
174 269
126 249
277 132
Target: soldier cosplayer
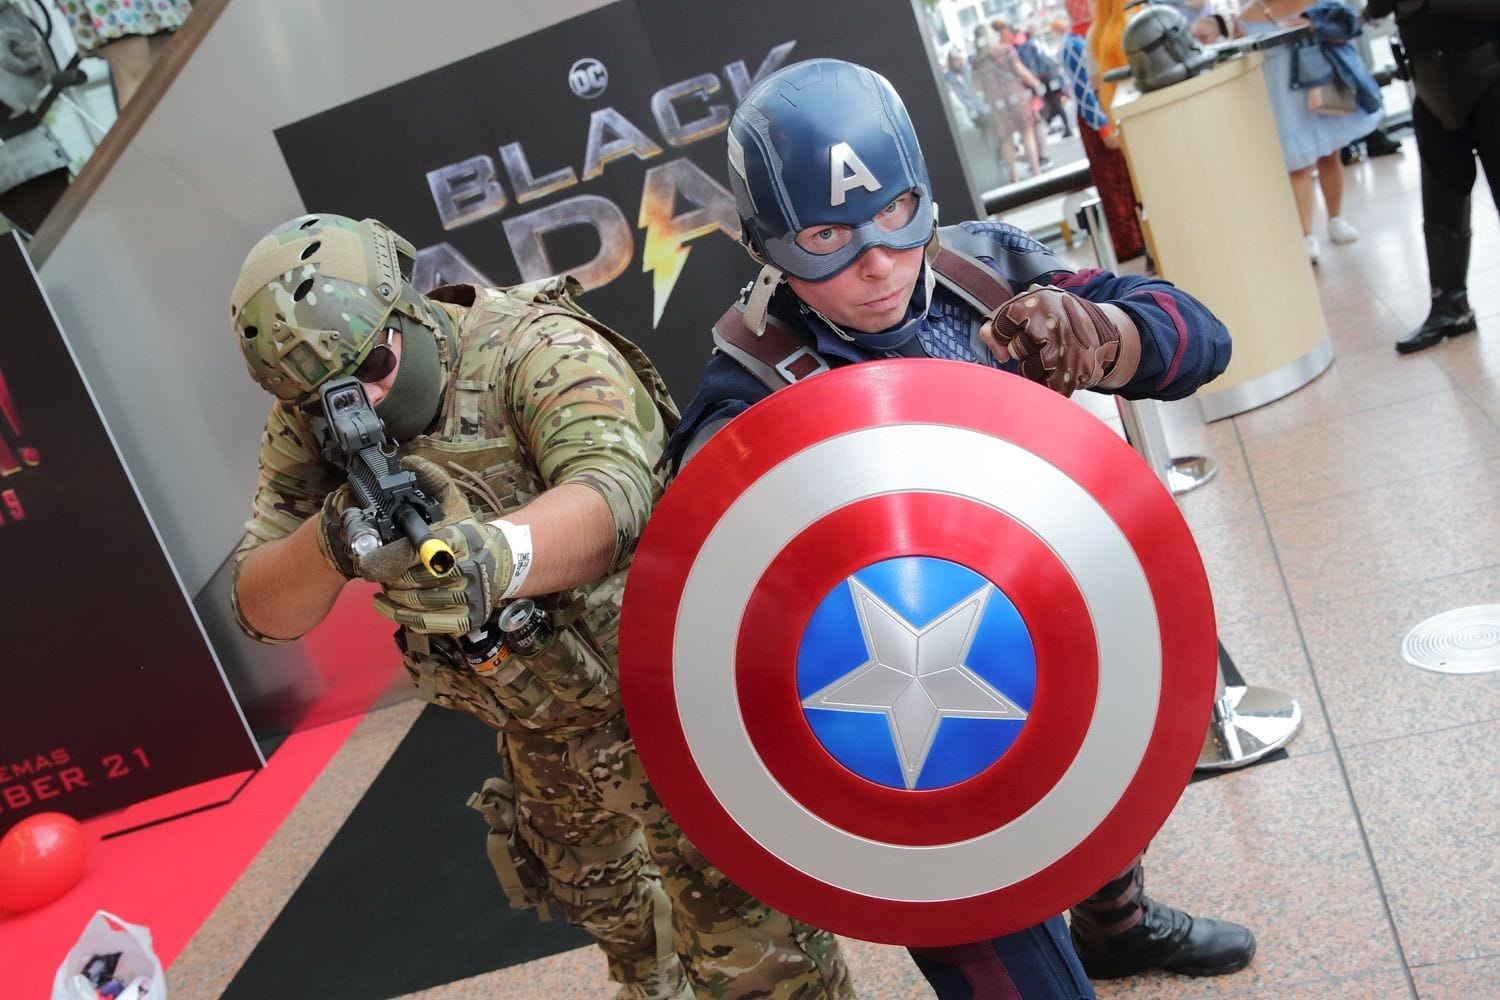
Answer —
537 429
833 195
1453 51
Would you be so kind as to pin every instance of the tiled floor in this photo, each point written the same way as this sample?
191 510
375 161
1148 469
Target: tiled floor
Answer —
1368 862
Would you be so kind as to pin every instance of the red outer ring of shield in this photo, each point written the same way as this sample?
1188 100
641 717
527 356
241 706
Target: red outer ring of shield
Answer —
931 392
946 527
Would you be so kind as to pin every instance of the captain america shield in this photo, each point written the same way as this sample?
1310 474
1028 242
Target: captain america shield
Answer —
918 652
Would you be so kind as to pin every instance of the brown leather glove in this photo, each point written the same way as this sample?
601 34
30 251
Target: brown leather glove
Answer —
1063 341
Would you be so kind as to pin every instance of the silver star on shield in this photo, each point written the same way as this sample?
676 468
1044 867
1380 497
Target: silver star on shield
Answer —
916 677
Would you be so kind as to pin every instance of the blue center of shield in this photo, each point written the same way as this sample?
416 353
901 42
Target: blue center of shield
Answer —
916 673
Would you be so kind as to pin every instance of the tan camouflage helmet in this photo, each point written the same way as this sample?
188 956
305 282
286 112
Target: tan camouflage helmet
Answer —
313 294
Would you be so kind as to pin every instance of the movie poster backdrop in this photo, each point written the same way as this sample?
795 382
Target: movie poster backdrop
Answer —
111 692
596 147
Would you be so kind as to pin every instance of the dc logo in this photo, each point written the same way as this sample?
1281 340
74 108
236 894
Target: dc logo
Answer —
588 78
916 673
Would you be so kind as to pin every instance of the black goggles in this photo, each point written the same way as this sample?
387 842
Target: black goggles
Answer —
381 360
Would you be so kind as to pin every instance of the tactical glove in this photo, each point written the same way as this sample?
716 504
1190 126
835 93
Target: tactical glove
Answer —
1063 341
461 599
331 539
390 562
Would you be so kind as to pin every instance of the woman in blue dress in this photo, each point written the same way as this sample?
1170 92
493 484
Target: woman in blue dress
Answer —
1310 140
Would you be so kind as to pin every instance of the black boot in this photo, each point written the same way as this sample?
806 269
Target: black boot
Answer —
1120 931
1377 143
1448 267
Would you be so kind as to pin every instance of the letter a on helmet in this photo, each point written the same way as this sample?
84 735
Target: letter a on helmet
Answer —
847 172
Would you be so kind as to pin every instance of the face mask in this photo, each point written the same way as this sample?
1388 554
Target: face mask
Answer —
412 403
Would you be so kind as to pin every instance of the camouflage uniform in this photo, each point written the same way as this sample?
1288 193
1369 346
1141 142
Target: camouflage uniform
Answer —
537 396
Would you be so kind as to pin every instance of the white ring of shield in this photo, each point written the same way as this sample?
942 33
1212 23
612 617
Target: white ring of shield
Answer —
917 458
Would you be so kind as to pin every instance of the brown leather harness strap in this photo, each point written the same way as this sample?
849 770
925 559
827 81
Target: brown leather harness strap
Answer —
778 357
966 277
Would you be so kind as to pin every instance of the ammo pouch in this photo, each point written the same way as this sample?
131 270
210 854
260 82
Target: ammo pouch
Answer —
567 689
520 872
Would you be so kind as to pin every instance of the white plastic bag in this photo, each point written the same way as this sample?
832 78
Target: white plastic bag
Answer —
110 949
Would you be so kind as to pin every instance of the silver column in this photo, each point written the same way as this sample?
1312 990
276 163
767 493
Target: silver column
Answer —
1248 723
1139 416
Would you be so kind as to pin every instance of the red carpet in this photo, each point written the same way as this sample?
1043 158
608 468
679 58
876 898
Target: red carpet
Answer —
168 877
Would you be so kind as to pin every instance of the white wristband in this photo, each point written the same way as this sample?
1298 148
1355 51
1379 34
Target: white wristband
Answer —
518 537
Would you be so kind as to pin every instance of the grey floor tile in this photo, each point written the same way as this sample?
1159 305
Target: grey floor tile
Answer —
1277 848
1394 535
1370 693
1429 808
1242 570
1359 380
1384 985
1268 653
1382 445
1458 980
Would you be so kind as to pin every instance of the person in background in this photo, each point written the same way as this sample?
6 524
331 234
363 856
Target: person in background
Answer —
1453 52
1211 29
1311 141
846 279
956 75
1007 87
1043 67
1101 144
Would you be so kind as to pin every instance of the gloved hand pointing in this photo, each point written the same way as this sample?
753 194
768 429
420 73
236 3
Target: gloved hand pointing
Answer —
1064 341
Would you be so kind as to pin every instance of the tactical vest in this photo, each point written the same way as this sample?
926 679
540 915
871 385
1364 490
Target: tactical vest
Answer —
783 354
575 685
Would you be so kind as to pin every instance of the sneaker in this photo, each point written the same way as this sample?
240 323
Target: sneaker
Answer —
1340 231
1310 244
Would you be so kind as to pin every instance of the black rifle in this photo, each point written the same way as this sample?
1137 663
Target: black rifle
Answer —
387 500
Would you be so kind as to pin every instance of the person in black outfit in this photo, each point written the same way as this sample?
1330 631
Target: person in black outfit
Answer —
1453 55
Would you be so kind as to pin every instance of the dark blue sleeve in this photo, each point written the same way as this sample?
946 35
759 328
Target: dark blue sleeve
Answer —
725 390
1183 345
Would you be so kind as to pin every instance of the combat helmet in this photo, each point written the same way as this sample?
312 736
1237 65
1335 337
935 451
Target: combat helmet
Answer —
313 295
1160 48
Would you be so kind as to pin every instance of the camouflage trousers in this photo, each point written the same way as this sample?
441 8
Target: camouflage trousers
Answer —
619 867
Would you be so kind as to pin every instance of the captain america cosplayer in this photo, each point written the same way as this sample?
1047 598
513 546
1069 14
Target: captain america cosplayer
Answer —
835 203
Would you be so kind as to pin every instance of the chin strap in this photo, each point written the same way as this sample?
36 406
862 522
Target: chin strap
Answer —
760 298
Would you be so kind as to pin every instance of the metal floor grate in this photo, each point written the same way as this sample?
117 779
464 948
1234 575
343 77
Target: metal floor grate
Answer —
1462 641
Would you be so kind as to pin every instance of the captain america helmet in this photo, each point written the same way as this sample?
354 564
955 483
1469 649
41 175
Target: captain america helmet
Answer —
826 142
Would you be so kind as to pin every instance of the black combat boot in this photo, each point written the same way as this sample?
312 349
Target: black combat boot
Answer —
1120 931
1448 269
1378 143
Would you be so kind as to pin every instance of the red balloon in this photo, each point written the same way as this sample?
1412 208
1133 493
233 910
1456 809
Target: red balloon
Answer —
41 858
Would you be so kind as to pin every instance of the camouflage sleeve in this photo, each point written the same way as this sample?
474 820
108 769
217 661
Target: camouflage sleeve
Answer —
290 489
585 417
